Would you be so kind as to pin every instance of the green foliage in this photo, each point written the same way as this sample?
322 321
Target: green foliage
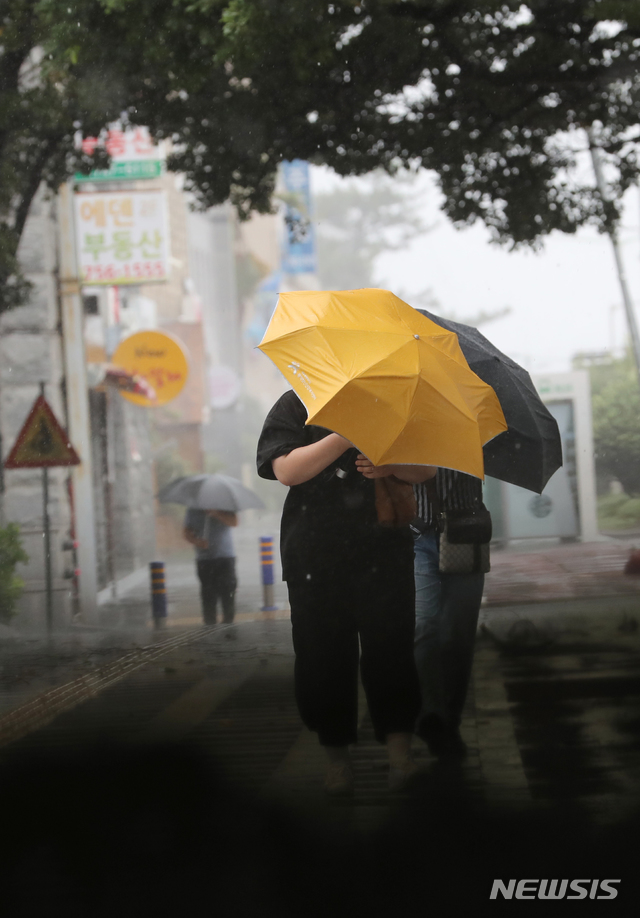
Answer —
11 554
618 512
492 95
616 422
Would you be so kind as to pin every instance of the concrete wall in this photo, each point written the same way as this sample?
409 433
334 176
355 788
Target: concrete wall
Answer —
123 475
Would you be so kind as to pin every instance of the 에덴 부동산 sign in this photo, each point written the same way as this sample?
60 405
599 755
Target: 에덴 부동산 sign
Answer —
122 237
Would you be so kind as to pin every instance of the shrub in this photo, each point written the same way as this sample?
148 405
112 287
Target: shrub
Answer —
11 586
618 511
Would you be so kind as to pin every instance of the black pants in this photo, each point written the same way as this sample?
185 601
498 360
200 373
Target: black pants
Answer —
217 582
375 602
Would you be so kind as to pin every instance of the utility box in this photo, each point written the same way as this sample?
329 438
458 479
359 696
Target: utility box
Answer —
566 509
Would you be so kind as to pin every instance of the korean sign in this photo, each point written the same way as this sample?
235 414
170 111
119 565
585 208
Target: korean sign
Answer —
133 155
299 255
122 238
160 359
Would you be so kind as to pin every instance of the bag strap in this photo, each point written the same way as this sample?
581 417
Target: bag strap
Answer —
436 503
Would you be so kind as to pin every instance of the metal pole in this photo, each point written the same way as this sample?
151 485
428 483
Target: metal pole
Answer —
109 481
158 593
47 548
626 296
46 527
266 565
78 406
1 484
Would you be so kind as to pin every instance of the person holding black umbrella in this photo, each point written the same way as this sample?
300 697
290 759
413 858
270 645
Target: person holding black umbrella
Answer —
448 598
213 501
209 531
447 610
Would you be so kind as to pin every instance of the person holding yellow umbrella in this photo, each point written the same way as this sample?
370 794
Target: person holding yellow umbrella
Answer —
374 384
350 583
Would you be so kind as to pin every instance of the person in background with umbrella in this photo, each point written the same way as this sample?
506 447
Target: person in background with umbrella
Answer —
210 532
351 591
213 501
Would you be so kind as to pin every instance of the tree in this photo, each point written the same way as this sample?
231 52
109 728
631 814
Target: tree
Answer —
492 95
616 422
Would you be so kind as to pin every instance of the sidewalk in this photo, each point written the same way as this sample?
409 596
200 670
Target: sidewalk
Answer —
530 592
525 572
535 572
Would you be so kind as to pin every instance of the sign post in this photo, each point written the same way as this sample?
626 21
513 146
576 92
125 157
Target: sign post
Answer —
43 443
77 389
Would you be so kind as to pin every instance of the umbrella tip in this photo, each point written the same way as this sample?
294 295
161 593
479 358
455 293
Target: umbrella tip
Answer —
417 337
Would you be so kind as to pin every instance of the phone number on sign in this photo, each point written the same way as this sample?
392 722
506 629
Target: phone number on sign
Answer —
135 270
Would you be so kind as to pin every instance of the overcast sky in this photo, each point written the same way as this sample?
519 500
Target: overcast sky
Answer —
563 300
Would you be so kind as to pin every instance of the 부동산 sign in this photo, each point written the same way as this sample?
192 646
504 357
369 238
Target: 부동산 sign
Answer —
133 155
122 237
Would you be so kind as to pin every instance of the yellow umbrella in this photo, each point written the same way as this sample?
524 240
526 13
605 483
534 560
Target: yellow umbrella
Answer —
370 367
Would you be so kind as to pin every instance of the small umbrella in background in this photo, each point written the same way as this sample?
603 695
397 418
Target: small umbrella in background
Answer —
368 366
210 492
530 451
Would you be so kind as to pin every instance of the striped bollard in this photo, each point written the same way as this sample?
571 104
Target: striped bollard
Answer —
266 566
158 593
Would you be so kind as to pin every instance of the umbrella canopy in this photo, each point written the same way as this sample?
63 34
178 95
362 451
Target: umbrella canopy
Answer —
210 492
394 383
530 451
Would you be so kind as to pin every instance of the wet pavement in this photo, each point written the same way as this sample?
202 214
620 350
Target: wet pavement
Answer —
150 729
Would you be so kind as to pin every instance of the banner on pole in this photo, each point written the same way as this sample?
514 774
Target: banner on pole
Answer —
122 237
299 255
42 442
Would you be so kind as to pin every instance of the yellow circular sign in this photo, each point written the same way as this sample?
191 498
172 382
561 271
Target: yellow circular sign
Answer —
160 359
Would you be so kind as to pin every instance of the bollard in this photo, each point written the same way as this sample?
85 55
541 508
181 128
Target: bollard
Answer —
158 593
266 565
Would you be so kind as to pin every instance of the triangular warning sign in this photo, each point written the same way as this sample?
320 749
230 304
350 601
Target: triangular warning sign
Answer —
42 442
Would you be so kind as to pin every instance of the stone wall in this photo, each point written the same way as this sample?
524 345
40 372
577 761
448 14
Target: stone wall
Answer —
30 353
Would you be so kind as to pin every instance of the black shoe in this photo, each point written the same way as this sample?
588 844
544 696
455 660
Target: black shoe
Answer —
441 739
453 746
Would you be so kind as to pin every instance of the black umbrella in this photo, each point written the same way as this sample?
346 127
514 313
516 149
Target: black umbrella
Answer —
210 492
530 451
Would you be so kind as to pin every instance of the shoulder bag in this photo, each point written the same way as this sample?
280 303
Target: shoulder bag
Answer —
464 537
